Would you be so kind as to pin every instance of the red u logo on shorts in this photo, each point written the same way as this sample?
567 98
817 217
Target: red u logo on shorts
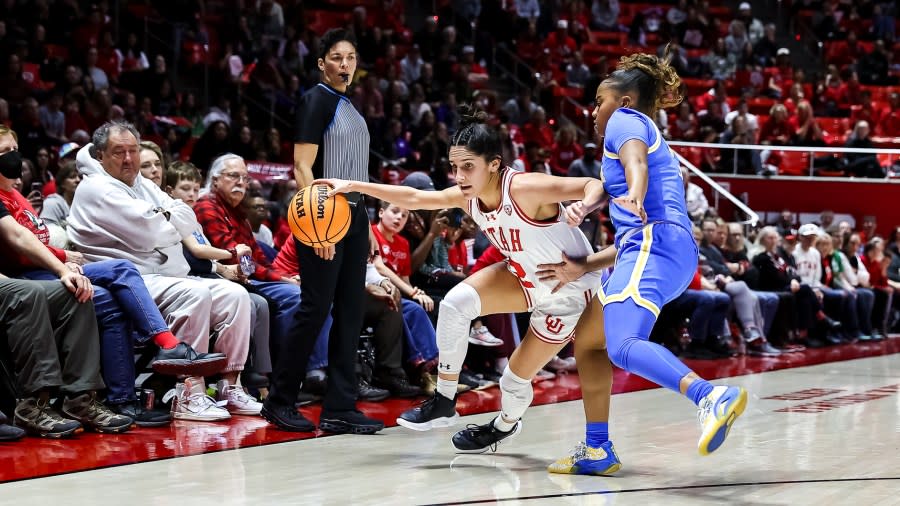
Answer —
554 325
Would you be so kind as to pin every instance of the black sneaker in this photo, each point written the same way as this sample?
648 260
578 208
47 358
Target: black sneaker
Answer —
438 411
286 418
39 419
7 431
182 360
397 384
315 386
762 348
366 392
481 438
142 417
349 422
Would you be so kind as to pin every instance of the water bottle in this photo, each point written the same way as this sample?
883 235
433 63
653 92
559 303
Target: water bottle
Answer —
248 266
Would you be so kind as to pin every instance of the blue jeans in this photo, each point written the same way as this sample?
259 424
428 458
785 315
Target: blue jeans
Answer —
319 357
286 298
865 302
768 305
709 310
122 303
421 340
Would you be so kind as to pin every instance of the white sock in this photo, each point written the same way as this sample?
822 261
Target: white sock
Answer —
516 396
447 388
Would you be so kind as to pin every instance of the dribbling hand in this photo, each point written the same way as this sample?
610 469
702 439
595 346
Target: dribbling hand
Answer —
337 185
633 206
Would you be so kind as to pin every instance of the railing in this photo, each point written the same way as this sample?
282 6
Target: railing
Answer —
515 62
752 217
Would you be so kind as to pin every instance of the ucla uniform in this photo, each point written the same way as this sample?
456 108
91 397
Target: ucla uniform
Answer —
655 262
526 243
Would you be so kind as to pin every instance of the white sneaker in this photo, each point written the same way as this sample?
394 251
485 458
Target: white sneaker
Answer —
481 336
562 364
190 402
238 402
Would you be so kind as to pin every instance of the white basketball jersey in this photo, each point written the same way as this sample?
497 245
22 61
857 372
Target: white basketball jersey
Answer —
526 243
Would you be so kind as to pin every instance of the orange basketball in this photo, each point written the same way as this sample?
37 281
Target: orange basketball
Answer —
316 219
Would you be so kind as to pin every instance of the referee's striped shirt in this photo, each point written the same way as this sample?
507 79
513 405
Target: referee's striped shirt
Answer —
327 118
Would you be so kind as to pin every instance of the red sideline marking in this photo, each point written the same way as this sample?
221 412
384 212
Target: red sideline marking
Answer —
838 402
802 395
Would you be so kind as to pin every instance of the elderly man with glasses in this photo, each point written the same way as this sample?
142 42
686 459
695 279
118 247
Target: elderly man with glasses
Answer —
224 220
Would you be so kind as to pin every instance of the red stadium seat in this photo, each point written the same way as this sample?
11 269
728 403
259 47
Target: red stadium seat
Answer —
793 163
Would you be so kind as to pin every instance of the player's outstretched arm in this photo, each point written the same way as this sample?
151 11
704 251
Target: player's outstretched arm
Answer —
403 196
535 190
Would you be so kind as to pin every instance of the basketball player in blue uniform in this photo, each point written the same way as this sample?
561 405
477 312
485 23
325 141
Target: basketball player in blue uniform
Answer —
656 256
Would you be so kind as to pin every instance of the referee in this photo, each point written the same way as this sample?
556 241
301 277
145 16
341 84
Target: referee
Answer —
332 141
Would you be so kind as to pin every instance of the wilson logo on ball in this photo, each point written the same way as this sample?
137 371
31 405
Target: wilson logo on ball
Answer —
316 219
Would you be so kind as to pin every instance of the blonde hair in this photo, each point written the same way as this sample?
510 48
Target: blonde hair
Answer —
5 130
655 80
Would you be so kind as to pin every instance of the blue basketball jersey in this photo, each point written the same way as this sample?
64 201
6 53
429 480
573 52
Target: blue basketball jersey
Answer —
665 201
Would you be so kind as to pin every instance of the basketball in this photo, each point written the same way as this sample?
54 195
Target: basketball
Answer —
316 219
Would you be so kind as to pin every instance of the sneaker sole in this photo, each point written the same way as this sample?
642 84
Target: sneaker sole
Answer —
515 433
189 368
54 435
444 421
341 427
151 425
575 470
199 418
478 342
98 429
716 437
245 412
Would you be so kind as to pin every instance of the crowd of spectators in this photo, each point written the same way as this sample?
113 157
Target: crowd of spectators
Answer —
209 91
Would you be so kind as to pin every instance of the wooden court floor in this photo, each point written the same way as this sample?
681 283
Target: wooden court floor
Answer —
819 434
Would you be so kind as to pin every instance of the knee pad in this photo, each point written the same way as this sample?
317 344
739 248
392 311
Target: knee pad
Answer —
461 305
464 300
516 394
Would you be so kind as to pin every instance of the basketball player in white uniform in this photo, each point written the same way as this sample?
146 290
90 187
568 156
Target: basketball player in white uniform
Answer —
523 217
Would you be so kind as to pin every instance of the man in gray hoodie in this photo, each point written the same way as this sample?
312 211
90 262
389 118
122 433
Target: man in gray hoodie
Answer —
117 213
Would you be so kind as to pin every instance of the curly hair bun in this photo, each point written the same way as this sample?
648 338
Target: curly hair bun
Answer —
668 84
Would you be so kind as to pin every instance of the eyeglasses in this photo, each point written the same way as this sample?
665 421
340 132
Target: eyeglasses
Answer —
235 176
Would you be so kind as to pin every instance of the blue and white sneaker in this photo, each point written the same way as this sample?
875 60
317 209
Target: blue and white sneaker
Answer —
717 413
588 460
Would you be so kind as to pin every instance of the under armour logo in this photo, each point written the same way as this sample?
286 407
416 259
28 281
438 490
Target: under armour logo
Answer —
444 366
554 325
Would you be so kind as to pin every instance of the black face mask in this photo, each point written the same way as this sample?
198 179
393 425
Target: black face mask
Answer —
11 165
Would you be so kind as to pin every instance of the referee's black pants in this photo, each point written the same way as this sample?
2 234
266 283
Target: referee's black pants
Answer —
341 281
